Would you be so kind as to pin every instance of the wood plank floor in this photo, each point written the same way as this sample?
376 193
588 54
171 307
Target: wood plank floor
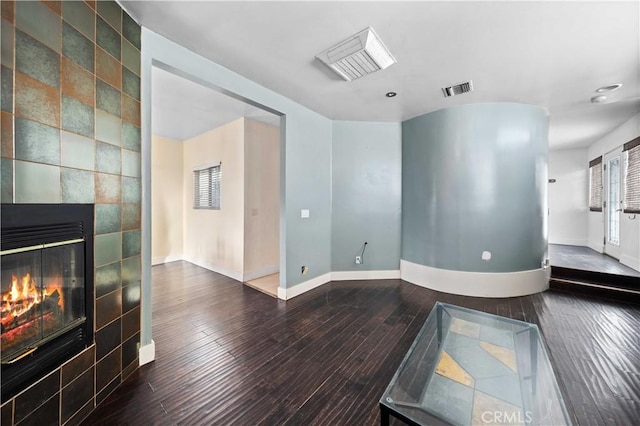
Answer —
584 258
227 354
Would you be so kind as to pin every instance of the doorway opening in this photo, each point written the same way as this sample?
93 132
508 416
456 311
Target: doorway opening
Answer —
613 202
196 129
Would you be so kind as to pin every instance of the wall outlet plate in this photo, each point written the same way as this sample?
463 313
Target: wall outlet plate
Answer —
358 260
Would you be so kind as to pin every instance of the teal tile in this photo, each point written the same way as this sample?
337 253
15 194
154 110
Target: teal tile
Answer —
108 279
131 190
107 97
6 41
107 248
108 158
130 270
130 244
77 151
36 60
6 102
130 217
107 218
37 183
36 142
77 116
77 47
6 170
130 163
108 188
81 16
130 298
131 57
40 22
108 127
130 83
77 186
131 136
107 38
111 13
131 30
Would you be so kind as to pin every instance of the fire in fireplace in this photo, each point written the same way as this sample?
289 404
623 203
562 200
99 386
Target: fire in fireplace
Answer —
46 286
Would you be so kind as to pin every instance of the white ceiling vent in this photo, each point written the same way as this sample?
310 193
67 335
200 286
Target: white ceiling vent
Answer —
458 89
358 55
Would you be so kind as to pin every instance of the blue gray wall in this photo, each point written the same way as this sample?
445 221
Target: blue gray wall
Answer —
366 195
474 178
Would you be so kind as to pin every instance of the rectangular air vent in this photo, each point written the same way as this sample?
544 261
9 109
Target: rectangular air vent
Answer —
458 89
358 55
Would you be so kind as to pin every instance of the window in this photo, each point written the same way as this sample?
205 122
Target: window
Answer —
632 176
206 188
595 185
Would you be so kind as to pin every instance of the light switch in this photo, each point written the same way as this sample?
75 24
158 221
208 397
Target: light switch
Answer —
304 213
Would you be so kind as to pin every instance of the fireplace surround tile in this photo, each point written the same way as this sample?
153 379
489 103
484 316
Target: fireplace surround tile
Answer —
107 218
108 68
7 134
78 365
130 110
48 414
77 186
108 279
77 151
37 60
130 186
76 394
108 369
131 30
131 323
107 390
108 188
36 142
108 158
6 39
107 339
130 297
108 308
130 244
130 349
130 83
6 100
77 116
131 57
77 47
6 173
36 101
81 16
108 127
31 398
40 22
130 136
130 271
130 217
77 82
36 183
131 167
6 413
108 248
111 13
82 414
108 38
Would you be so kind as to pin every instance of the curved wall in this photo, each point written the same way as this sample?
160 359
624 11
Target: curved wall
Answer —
474 180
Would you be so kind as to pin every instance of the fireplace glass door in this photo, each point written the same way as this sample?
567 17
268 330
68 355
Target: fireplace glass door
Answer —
42 295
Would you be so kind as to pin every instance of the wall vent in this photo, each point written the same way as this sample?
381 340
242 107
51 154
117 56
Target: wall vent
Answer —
358 55
458 89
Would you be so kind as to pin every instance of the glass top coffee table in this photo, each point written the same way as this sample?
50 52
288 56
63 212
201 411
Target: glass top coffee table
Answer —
467 367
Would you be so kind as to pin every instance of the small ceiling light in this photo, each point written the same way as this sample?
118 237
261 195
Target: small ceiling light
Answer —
357 56
598 99
609 88
390 94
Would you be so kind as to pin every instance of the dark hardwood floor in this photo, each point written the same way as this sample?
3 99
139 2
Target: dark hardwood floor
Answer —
227 354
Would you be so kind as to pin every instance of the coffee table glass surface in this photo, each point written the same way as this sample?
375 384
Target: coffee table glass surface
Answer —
468 367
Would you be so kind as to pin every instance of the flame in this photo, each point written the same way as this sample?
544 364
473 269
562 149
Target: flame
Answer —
23 295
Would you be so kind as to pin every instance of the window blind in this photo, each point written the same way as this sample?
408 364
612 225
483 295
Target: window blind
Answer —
206 188
595 185
632 176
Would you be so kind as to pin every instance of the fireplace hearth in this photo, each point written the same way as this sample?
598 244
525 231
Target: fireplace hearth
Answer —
46 289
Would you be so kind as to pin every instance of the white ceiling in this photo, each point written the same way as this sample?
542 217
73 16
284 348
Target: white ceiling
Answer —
552 54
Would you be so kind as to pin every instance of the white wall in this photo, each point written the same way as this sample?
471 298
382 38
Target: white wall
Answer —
214 239
629 228
262 199
568 197
166 200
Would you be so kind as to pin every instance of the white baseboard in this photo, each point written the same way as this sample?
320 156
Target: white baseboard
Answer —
599 247
252 275
631 262
477 284
165 259
298 289
364 275
569 241
236 275
147 353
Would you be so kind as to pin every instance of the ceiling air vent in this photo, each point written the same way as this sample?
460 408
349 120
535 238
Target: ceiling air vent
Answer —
358 55
458 89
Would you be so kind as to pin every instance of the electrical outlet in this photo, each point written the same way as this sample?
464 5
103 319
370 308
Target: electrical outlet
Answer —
358 260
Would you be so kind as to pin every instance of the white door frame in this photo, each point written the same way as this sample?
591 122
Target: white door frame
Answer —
612 208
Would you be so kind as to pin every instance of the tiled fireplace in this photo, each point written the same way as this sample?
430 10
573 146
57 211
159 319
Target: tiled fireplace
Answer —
70 135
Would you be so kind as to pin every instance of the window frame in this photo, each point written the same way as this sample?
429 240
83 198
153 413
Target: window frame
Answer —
595 170
631 152
211 177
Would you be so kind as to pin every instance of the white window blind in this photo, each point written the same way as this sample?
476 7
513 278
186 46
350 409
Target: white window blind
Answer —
595 185
206 188
632 176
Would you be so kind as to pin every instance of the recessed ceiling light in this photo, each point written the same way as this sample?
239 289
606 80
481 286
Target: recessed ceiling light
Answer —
598 99
390 94
609 88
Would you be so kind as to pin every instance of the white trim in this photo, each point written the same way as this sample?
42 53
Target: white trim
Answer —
252 275
599 247
303 287
583 242
365 275
226 272
159 260
147 353
631 262
478 284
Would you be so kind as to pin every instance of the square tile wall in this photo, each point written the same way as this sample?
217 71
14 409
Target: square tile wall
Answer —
71 134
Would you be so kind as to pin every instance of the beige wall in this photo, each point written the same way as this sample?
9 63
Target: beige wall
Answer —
167 200
214 239
262 199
